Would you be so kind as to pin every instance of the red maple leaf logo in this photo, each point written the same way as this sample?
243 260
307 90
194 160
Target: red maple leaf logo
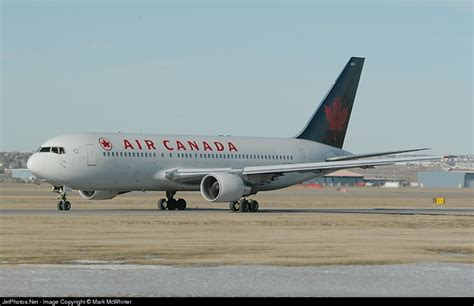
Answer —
336 115
106 144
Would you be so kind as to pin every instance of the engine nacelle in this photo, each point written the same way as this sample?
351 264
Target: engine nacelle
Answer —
98 194
223 187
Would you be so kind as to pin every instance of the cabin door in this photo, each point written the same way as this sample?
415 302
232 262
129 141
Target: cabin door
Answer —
91 155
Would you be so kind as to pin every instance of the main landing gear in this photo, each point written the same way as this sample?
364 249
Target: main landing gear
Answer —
171 203
244 205
63 203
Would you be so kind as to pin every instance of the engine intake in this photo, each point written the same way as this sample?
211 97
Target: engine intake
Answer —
223 187
98 194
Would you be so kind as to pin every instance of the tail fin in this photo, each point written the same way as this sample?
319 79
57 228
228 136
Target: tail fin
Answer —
329 122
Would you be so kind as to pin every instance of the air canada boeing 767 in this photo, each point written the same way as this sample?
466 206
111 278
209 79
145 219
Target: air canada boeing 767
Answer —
223 168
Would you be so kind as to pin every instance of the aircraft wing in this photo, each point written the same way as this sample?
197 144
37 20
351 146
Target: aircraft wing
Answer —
181 174
333 165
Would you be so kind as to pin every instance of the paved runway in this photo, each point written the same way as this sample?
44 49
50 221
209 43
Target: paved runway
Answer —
137 212
421 279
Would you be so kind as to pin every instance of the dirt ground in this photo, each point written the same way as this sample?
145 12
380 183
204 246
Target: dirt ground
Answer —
93 231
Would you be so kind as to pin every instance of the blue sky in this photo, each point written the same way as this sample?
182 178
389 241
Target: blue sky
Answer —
242 68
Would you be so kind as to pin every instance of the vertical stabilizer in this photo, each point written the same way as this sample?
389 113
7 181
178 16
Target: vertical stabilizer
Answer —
329 122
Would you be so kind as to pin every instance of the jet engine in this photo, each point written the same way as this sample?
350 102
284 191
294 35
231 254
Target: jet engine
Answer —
223 187
98 194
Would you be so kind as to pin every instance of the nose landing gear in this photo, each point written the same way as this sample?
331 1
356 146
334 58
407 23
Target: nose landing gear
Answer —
63 203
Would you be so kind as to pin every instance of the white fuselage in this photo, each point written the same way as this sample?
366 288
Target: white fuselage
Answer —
126 162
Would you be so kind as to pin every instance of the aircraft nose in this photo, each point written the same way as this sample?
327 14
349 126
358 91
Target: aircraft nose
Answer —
34 164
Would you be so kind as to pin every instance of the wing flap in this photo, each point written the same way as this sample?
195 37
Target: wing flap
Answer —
366 155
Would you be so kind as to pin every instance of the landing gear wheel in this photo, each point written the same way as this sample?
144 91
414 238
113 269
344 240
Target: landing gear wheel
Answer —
243 205
67 205
253 206
181 204
162 204
172 204
234 206
64 205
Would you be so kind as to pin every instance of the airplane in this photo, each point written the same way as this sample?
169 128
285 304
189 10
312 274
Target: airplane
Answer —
228 169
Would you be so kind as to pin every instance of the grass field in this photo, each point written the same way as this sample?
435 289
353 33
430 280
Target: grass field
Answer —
210 237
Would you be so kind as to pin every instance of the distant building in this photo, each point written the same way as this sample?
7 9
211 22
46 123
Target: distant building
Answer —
340 178
446 179
386 182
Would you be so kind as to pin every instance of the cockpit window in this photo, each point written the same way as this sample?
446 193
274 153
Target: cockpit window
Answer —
57 150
